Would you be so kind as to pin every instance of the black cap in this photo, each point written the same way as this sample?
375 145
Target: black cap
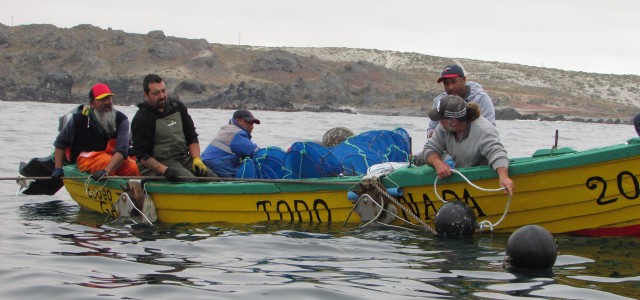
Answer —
451 71
450 107
245 115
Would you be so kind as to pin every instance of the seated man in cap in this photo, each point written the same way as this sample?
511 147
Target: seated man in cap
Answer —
469 138
455 83
636 123
233 143
97 139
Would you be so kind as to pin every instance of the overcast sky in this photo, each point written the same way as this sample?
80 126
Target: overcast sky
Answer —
600 36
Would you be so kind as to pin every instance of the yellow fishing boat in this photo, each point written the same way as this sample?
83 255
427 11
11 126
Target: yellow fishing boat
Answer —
592 192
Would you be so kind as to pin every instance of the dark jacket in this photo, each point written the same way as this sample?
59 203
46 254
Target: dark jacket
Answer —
144 129
83 134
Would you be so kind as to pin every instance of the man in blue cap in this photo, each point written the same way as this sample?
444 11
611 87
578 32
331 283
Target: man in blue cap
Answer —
225 152
455 83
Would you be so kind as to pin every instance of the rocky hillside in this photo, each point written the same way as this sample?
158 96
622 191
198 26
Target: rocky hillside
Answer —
46 63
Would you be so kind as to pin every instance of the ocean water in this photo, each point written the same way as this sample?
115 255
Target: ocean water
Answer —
51 249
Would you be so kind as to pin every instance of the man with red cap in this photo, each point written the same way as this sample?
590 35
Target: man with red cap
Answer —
455 83
96 139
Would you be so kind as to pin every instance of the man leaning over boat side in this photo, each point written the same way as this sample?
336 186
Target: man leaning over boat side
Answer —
164 136
469 138
455 83
233 143
96 140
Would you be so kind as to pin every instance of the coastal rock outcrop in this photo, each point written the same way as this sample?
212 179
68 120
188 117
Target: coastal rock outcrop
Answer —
46 63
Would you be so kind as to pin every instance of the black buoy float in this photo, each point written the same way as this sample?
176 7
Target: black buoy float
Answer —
455 219
531 247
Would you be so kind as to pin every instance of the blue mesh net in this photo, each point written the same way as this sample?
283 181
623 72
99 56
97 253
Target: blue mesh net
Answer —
270 161
309 159
248 169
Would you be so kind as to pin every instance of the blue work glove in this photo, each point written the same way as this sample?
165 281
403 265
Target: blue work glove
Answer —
57 174
97 176
171 175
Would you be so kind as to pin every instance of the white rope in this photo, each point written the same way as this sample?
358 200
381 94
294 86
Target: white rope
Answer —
98 189
396 216
136 208
435 186
398 227
485 223
381 205
375 178
351 211
125 197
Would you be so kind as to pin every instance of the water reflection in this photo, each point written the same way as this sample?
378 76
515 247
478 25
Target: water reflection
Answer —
320 259
55 210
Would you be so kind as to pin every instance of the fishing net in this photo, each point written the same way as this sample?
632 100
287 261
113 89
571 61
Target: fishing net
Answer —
268 163
308 159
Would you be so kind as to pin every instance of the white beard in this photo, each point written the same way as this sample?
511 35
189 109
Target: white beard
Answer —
107 120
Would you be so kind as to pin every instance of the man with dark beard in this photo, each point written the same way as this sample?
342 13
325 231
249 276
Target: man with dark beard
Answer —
164 136
96 139
469 138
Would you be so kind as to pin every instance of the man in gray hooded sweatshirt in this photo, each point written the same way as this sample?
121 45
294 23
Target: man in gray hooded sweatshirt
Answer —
455 83
468 138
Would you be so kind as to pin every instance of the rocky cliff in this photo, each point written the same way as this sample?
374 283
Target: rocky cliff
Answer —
46 63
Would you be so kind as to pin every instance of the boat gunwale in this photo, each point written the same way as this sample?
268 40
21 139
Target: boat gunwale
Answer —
405 176
419 176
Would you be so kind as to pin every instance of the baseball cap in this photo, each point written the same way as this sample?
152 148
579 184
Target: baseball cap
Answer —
451 71
245 115
451 106
99 91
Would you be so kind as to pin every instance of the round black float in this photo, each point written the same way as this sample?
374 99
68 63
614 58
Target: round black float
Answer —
455 219
531 247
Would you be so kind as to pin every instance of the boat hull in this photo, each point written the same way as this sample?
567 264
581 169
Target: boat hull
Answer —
231 202
602 195
592 192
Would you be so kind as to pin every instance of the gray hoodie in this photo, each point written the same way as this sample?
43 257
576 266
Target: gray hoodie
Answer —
479 146
476 95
